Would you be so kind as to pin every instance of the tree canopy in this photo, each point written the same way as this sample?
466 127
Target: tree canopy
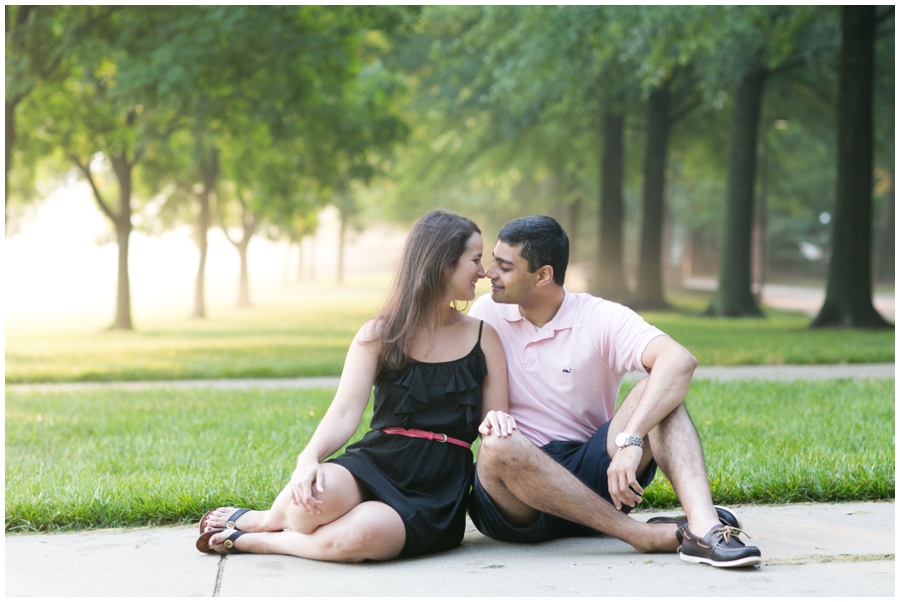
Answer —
670 141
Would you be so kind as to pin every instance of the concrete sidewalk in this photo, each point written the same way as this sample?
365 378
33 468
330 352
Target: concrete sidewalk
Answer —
784 372
808 550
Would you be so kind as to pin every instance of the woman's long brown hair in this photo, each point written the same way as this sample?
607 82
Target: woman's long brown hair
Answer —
433 247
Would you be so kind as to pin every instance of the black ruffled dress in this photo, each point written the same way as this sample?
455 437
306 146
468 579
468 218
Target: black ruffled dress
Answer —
426 482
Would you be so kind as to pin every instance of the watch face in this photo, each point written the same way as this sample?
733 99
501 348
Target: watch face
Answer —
620 439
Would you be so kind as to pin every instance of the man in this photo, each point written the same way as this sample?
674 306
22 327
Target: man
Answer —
575 466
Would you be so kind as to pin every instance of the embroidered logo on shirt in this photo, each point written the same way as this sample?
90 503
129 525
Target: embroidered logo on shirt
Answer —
567 370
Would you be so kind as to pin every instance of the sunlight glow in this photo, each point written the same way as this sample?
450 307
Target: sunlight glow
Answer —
56 272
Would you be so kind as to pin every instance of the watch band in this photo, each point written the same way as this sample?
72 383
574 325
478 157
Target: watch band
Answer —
623 440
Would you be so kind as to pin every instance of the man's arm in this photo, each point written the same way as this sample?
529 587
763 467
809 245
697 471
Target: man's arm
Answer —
671 367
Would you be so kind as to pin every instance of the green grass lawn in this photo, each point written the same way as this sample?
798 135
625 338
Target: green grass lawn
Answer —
306 338
110 457
802 441
160 456
309 336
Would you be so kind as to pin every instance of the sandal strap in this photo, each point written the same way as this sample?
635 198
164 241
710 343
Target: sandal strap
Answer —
237 514
229 542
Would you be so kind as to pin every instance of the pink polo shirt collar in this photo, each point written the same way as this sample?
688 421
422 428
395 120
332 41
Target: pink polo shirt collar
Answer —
564 318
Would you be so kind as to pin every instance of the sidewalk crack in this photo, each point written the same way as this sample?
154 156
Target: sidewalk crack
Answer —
823 558
220 574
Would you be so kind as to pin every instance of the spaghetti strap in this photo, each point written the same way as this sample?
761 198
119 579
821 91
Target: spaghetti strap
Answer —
480 328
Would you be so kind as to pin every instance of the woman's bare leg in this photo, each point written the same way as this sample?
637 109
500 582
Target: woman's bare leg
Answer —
371 530
342 493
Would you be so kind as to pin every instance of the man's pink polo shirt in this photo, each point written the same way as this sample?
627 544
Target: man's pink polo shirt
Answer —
565 377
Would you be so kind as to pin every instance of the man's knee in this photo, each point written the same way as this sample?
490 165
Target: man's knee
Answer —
637 391
497 455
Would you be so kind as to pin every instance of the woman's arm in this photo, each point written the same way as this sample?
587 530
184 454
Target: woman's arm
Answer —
495 388
342 418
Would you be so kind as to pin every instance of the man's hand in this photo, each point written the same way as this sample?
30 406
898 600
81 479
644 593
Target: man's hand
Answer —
498 423
622 474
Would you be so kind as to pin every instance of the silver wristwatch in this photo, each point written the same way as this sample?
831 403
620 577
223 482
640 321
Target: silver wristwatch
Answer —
624 440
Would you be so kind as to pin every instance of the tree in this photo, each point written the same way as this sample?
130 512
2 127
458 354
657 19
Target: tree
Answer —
885 173
755 44
734 296
114 105
661 43
263 184
272 91
848 294
38 42
509 78
611 272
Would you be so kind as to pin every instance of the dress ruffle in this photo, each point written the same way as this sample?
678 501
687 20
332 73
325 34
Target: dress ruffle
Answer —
464 387
415 395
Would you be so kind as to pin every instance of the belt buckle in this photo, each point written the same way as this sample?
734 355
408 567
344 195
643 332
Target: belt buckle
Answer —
442 435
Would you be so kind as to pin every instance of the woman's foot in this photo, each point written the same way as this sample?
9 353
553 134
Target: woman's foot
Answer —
220 541
232 518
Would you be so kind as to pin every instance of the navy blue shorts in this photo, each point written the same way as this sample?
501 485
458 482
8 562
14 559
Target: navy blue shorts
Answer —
588 461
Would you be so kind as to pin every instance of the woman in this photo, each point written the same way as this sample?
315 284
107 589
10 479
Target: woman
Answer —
401 490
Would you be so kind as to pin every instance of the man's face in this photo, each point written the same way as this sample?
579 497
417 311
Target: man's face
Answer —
511 282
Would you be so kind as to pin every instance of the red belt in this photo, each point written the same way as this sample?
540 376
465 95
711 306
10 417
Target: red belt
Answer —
417 434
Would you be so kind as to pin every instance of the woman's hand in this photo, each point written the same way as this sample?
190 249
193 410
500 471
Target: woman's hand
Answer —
498 423
306 476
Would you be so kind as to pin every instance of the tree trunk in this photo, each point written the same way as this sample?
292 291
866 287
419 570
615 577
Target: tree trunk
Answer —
312 257
249 223
884 248
734 297
300 259
649 292
209 171
122 222
203 222
285 278
12 101
244 278
848 293
123 287
10 143
574 221
610 282
342 242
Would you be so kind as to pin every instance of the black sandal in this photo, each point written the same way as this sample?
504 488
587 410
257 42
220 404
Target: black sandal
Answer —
203 542
231 519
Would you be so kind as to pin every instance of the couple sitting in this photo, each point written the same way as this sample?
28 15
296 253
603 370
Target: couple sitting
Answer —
534 371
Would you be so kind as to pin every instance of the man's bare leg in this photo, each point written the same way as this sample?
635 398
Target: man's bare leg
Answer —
522 480
675 446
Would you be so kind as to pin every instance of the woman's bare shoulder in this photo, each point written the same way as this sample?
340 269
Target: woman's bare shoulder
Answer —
370 332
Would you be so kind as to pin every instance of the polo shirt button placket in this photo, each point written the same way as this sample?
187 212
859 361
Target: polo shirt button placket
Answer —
529 358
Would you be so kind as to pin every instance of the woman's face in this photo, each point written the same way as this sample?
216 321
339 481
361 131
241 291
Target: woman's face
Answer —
468 270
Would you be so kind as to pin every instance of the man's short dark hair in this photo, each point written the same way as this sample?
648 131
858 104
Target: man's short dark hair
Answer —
543 242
